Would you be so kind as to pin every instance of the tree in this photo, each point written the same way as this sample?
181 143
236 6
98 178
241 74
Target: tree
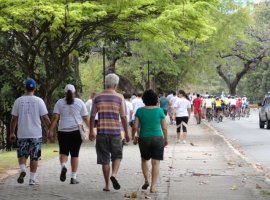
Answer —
247 50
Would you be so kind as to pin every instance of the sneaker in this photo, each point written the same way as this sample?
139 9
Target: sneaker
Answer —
32 182
63 174
178 141
74 181
21 177
184 141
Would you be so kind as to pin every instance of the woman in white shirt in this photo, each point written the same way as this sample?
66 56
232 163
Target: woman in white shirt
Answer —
70 112
181 112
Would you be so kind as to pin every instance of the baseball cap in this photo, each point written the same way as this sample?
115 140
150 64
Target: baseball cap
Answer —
30 84
70 87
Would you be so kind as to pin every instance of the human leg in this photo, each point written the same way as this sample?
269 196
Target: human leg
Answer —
145 170
106 174
155 174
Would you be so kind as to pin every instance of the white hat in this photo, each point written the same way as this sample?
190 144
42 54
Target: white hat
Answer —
70 87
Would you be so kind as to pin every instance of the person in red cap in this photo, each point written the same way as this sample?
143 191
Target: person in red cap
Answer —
28 112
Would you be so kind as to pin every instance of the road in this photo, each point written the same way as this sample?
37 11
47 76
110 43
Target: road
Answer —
248 137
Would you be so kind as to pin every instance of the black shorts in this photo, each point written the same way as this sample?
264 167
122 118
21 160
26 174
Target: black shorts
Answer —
179 120
151 147
70 143
108 147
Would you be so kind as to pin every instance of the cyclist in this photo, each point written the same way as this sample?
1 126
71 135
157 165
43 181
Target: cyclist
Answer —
218 107
232 105
208 104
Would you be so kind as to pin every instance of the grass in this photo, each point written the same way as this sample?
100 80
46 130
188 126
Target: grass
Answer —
8 160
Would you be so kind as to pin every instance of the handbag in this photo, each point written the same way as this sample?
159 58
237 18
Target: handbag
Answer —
84 130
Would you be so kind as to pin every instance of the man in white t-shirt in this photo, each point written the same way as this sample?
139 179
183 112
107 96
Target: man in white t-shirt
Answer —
129 112
28 111
171 99
88 105
136 104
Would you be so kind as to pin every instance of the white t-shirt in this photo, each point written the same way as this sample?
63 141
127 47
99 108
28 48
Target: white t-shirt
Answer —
173 99
88 104
129 108
182 105
208 103
169 99
233 102
136 104
29 109
68 113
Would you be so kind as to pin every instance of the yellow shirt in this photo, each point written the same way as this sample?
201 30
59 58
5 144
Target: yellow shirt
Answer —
218 103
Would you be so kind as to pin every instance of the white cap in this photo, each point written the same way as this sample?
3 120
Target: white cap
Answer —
70 87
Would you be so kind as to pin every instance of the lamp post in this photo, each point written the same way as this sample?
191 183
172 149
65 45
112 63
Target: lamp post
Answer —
148 62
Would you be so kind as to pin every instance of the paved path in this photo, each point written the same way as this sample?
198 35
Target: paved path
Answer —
203 169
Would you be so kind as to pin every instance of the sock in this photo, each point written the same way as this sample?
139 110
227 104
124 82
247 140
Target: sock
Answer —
32 176
23 168
63 165
74 175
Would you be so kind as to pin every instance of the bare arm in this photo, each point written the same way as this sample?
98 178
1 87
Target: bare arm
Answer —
46 121
86 120
189 112
124 123
13 124
55 119
135 127
92 134
165 132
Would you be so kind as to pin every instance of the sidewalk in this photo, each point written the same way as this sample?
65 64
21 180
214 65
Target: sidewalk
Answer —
203 169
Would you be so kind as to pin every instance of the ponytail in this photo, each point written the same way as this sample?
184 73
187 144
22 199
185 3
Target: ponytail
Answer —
69 97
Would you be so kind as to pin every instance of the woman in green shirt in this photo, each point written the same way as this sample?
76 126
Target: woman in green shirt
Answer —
152 136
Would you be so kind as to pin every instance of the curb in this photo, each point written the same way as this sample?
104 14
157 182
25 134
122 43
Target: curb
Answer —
256 166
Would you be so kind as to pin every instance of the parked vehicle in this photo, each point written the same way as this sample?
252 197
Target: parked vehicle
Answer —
264 112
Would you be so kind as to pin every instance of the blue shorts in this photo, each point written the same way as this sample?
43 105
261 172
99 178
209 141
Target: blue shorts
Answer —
29 147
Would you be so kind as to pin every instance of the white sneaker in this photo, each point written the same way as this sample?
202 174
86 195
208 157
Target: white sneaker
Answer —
184 141
178 141
32 182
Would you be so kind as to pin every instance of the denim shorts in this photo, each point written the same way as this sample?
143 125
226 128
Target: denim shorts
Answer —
108 148
29 147
151 147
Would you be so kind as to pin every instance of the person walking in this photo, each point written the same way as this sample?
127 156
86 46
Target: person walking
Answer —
197 102
28 112
163 103
181 112
152 137
109 105
70 112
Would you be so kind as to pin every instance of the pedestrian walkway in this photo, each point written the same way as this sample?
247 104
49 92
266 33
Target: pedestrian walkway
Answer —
203 169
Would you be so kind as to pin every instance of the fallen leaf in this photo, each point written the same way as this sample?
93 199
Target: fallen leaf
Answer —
234 187
258 186
203 183
134 195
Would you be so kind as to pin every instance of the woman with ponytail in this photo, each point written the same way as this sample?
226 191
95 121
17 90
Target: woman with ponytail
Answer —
70 112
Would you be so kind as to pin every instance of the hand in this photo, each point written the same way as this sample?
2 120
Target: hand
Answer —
127 137
165 143
12 138
92 135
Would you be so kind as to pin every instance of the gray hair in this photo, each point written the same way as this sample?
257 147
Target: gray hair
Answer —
111 80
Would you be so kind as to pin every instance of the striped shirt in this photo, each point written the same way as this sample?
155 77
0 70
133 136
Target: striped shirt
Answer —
109 105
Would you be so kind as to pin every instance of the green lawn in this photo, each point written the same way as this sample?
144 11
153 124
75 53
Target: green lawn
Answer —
8 160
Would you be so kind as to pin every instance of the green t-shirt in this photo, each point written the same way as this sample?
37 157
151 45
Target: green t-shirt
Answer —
150 119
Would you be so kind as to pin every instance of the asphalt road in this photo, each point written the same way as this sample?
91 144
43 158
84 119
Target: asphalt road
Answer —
246 134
